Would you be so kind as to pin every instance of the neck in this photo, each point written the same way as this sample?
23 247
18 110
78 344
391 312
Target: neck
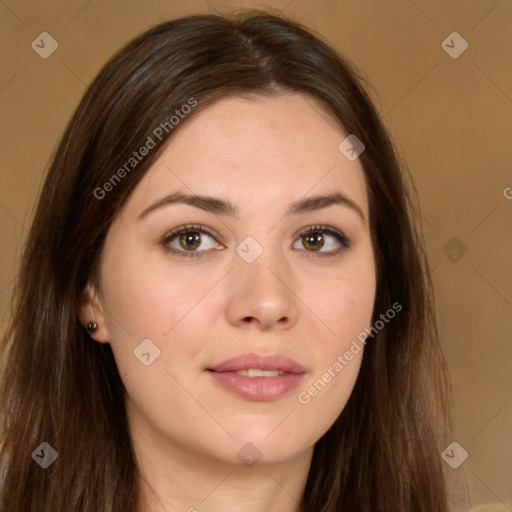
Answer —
177 478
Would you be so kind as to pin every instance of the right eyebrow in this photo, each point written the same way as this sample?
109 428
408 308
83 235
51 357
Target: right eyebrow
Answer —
207 203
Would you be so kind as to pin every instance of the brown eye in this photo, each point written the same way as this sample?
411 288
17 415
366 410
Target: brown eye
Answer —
323 240
313 241
190 240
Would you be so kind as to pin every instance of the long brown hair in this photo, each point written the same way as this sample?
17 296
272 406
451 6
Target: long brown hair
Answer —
59 387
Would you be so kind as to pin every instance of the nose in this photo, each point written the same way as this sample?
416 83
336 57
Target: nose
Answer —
263 294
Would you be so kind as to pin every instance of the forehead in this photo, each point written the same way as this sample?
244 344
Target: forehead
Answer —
255 151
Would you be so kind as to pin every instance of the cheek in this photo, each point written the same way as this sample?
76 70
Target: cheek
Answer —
148 298
142 291
345 305
137 302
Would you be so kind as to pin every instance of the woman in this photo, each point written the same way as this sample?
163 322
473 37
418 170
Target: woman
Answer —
223 302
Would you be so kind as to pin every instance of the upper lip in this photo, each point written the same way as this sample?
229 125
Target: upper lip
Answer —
263 362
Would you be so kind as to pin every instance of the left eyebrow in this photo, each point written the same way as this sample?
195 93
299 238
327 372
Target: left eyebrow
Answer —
318 202
223 207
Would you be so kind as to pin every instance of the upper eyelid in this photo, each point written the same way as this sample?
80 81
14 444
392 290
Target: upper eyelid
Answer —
189 227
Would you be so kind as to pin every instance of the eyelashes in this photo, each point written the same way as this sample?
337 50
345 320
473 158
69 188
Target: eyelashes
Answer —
190 235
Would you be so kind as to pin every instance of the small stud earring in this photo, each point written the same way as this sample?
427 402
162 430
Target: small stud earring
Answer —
91 327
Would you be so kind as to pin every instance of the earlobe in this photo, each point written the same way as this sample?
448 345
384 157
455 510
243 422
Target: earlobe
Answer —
91 314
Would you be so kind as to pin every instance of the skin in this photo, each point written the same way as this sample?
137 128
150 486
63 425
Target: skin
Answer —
261 154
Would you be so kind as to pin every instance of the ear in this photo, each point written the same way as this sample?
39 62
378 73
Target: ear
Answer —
90 310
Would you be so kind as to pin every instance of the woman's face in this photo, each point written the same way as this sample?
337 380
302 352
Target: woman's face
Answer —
249 283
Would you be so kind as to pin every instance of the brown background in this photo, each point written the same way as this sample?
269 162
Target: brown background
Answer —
452 124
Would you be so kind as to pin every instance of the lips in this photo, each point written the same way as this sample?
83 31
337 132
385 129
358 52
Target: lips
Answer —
258 378
256 361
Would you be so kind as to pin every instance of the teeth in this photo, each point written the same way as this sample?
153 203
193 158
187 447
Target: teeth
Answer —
256 372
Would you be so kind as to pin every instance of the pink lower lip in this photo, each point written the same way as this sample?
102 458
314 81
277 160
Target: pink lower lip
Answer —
261 389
